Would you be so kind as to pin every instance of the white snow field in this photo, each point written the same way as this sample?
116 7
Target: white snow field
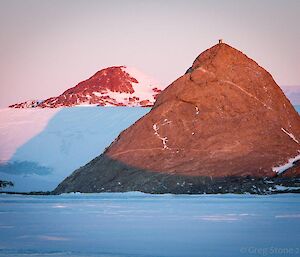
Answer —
142 225
40 147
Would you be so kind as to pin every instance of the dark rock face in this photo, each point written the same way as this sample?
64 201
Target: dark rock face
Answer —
115 176
189 70
4 184
225 126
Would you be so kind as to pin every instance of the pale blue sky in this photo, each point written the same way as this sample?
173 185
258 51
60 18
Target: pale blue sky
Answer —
48 46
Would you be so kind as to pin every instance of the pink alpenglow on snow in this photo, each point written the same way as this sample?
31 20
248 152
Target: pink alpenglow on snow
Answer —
18 127
113 86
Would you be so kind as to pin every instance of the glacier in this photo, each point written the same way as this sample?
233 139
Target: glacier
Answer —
40 147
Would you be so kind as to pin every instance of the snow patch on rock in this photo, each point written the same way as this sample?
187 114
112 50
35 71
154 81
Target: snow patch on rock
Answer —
282 168
290 135
163 139
284 188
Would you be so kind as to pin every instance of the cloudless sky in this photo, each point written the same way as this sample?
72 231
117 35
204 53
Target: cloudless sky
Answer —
47 46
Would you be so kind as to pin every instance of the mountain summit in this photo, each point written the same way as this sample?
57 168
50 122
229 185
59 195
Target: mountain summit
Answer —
224 126
113 86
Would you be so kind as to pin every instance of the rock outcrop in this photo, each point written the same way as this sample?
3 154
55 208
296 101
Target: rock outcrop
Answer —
224 126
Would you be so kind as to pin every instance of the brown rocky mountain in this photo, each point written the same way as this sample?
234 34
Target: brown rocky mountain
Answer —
224 126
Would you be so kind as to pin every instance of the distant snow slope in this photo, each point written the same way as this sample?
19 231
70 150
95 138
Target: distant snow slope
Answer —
40 147
293 93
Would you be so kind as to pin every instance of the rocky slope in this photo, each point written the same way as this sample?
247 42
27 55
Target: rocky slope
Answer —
27 104
224 126
113 86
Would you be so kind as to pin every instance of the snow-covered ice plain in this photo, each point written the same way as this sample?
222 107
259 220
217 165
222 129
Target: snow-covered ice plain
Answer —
142 225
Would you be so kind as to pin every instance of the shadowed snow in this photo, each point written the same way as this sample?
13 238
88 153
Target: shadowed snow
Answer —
40 147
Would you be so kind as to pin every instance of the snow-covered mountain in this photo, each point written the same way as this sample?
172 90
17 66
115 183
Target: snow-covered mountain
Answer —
40 147
113 86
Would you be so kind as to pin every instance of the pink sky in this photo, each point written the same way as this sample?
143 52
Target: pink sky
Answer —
49 46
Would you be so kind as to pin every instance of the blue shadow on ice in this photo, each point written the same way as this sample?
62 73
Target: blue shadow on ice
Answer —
72 137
